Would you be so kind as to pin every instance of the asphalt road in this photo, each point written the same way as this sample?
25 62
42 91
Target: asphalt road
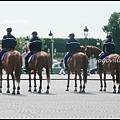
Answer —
60 103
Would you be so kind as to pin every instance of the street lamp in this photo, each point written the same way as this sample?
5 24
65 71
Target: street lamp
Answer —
51 49
86 33
27 39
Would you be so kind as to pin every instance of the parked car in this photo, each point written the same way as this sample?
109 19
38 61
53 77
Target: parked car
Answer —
56 67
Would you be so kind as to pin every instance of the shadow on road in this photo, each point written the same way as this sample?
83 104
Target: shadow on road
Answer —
16 95
86 93
42 93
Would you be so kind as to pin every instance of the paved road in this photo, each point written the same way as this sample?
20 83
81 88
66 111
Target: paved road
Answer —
59 103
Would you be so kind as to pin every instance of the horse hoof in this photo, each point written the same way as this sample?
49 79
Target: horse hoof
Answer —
118 91
8 91
29 90
39 91
13 93
104 89
67 89
35 90
18 92
0 91
75 90
83 91
47 92
80 91
114 91
100 89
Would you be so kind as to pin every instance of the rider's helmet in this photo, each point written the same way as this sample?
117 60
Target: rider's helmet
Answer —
34 33
9 29
109 36
71 35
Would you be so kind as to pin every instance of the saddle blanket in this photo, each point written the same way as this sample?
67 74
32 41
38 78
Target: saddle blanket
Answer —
68 59
105 58
2 58
29 60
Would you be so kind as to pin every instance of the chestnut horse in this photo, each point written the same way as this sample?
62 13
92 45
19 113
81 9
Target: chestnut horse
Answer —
77 62
11 62
39 61
111 63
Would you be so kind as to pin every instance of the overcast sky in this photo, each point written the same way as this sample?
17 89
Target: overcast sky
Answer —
60 17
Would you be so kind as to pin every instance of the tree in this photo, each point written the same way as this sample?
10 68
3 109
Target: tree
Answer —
113 27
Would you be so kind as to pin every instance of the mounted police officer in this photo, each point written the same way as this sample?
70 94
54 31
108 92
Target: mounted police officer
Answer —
108 48
72 46
8 42
35 46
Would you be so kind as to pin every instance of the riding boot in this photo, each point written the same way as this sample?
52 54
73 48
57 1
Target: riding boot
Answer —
100 66
26 68
66 67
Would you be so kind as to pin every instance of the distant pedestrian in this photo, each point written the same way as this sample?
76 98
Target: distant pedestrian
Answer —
62 68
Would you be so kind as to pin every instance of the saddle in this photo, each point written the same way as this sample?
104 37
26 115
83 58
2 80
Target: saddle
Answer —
30 58
2 58
71 56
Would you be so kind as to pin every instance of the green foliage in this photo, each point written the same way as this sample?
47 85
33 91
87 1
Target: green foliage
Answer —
113 27
20 44
59 44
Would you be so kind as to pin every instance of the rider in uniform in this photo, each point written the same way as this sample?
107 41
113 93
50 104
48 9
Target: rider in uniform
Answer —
108 48
35 46
72 46
8 42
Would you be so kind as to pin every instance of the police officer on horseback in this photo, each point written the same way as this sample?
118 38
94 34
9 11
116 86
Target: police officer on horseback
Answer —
8 42
108 48
72 46
35 46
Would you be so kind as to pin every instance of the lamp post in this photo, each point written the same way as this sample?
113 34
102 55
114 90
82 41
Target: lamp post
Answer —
86 33
26 39
51 49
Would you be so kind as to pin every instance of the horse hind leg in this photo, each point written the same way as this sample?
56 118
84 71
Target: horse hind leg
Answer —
35 90
0 80
105 85
80 83
75 81
8 85
114 87
30 82
14 88
40 88
101 84
68 82
119 88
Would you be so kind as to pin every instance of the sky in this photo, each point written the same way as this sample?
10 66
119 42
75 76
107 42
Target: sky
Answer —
61 17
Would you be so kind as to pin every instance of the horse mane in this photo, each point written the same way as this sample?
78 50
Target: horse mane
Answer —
94 51
94 47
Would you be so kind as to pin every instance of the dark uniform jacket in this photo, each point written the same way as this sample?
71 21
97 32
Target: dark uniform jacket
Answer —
73 45
109 47
35 44
8 41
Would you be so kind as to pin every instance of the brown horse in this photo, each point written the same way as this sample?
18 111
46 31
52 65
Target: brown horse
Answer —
12 62
77 62
39 60
112 64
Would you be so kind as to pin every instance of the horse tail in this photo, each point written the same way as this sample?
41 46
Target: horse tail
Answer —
118 73
85 65
48 68
18 66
